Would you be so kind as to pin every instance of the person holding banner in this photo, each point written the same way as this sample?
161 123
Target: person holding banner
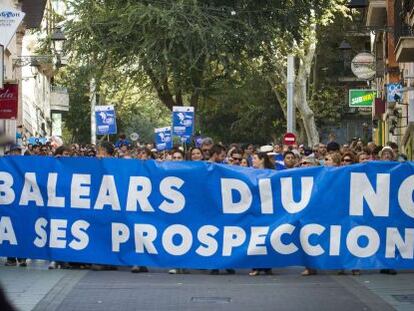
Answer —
206 146
289 159
105 150
195 154
236 156
387 154
15 150
261 161
217 155
178 155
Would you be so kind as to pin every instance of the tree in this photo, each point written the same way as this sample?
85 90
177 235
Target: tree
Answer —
182 46
242 110
183 50
304 49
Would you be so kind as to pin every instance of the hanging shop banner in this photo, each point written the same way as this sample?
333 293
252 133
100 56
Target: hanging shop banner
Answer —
205 215
9 99
10 20
105 120
163 138
183 122
361 98
394 92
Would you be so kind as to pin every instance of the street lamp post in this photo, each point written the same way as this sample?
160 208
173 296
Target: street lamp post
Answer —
290 90
58 39
346 48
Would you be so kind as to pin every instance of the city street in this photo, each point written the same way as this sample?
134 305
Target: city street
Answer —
206 134
36 288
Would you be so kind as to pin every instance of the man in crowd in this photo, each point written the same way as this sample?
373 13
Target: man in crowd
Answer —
289 159
122 140
206 145
249 154
217 154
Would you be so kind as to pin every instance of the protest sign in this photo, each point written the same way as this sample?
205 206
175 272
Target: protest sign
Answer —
163 139
183 122
204 215
105 120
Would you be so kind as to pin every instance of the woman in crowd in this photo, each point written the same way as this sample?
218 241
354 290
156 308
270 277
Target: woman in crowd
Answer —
332 159
195 154
144 154
244 162
362 157
261 161
348 158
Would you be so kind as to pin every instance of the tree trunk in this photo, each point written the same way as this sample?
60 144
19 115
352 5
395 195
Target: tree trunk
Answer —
301 97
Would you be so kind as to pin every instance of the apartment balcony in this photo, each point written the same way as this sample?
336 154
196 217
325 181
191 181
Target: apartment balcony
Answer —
404 51
376 13
59 100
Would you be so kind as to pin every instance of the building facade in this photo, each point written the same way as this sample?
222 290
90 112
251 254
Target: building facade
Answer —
392 43
39 100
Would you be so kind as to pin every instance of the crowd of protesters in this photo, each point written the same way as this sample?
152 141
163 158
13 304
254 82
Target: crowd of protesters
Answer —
275 156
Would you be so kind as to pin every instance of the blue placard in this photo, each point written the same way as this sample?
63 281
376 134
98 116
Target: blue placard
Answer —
394 90
183 122
163 138
198 140
205 215
105 120
37 140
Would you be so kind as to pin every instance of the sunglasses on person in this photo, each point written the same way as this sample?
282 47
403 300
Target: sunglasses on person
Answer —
236 158
347 160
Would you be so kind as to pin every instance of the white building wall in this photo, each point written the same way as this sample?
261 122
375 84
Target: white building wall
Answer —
34 85
36 89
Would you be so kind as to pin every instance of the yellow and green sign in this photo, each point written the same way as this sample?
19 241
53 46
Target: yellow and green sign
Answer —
361 98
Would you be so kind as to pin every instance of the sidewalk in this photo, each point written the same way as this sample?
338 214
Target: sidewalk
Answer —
36 288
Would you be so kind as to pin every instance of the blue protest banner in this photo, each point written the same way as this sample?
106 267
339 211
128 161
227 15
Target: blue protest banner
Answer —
163 139
105 120
183 122
204 215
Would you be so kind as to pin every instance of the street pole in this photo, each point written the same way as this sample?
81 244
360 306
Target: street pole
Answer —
93 104
290 88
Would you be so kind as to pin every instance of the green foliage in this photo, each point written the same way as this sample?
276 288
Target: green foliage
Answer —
326 103
329 99
77 120
242 111
209 54
178 44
